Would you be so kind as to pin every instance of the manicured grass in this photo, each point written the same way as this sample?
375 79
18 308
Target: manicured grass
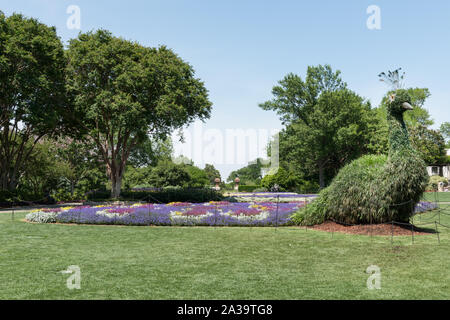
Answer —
437 196
119 262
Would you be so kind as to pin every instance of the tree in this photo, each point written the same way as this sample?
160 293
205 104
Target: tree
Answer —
212 173
288 181
80 158
445 131
122 91
429 143
327 124
250 174
31 91
167 173
150 151
197 177
43 171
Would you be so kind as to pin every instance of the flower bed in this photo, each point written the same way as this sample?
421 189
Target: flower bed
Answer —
182 214
219 213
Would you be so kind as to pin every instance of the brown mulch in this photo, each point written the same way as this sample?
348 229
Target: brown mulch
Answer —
374 229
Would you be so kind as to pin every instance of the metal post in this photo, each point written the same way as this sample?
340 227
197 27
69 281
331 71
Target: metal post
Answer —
306 212
437 232
392 232
412 234
276 223
215 216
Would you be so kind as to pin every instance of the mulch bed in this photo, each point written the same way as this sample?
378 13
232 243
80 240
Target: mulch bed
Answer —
374 229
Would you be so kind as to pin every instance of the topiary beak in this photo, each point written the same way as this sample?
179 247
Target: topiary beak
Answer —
406 106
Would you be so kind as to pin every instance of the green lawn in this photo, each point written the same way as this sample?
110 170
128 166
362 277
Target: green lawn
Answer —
119 262
437 196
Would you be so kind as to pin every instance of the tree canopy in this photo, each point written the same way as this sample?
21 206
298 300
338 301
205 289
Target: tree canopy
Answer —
445 131
250 174
122 91
326 124
31 91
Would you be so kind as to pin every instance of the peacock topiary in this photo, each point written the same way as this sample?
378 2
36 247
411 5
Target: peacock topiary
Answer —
375 188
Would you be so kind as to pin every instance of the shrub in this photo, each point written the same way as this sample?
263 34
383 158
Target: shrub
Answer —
244 188
434 183
286 180
7 197
166 195
261 189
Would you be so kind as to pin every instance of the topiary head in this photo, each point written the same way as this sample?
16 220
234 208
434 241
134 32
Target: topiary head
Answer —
399 102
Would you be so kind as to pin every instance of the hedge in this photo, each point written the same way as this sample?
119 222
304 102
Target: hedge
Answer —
194 195
244 188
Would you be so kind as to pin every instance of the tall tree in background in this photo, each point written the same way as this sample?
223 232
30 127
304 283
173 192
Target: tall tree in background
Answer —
31 91
327 124
430 143
212 173
80 158
445 131
250 174
150 151
122 92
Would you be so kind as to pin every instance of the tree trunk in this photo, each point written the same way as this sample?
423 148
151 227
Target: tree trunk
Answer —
321 177
12 185
116 185
8 180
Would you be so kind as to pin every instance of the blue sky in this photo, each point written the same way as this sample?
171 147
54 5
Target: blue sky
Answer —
240 49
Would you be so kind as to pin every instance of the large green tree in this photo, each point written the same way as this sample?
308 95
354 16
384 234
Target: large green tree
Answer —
167 173
250 174
31 91
212 173
327 125
150 151
80 158
430 143
122 91
445 131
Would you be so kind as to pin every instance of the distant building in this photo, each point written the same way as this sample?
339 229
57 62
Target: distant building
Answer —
442 170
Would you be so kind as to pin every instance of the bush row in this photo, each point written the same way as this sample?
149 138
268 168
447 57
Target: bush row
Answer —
247 188
166 195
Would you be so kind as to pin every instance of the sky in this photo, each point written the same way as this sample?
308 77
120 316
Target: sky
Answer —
241 49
